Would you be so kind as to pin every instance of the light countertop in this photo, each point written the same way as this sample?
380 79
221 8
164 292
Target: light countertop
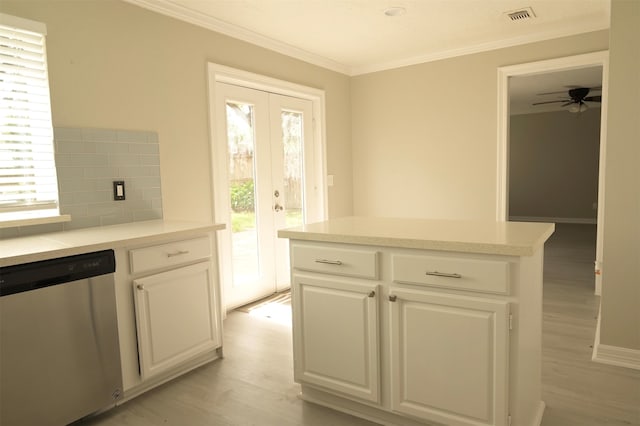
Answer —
58 244
503 238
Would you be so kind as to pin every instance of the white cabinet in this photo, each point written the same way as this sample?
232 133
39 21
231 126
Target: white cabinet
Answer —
169 316
336 335
449 357
413 337
175 317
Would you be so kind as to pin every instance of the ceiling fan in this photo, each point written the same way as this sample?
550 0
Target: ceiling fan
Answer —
577 98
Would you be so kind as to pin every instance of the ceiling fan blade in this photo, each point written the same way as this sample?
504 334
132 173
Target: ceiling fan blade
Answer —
569 87
569 103
586 87
593 99
550 102
564 92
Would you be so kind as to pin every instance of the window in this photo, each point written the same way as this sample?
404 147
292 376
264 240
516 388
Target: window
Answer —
28 184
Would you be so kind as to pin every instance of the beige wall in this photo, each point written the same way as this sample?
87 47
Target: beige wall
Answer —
425 136
553 165
117 66
621 259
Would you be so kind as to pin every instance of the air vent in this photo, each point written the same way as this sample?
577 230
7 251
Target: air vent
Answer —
520 14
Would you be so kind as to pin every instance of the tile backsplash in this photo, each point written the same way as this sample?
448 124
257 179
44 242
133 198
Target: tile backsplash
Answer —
88 161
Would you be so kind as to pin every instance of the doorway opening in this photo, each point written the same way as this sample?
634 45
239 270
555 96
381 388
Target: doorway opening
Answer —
545 71
268 174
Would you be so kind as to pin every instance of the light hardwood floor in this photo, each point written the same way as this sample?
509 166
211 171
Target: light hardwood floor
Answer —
253 384
578 391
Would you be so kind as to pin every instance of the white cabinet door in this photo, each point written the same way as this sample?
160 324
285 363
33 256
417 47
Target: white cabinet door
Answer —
175 317
449 357
336 335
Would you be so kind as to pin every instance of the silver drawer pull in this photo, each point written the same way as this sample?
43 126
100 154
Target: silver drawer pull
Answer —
178 253
329 262
443 274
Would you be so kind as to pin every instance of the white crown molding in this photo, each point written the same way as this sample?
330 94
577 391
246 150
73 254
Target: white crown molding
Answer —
477 48
182 13
173 10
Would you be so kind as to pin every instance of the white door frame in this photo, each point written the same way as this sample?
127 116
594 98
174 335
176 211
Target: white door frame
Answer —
600 58
222 74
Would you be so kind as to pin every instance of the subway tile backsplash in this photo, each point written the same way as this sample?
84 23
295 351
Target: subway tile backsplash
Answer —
87 163
89 160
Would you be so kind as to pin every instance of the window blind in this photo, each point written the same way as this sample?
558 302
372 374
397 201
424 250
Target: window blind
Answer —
27 165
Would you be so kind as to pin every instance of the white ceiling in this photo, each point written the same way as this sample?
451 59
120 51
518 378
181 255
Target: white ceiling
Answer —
356 37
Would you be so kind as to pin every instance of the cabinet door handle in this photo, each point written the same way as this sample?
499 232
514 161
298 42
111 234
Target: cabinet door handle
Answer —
140 286
178 253
329 262
443 274
372 294
393 298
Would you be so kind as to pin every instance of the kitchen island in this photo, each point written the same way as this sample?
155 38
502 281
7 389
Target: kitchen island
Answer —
413 322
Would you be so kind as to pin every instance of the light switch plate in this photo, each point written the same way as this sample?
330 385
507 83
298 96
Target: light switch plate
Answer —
118 190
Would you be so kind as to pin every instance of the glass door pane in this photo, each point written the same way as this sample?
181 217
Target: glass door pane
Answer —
242 171
293 185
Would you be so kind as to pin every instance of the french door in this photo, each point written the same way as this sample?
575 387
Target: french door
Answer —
264 149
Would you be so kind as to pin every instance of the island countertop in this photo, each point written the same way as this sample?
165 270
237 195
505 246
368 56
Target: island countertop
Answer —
67 243
502 238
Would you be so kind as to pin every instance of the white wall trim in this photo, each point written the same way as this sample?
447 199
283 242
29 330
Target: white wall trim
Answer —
600 58
539 414
217 73
222 74
614 355
23 24
185 14
577 220
477 48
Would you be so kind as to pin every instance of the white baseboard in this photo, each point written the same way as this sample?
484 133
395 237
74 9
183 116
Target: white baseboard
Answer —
578 220
614 355
539 414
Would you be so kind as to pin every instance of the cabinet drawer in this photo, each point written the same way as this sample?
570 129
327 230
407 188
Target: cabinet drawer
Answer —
338 261
170 254
489 276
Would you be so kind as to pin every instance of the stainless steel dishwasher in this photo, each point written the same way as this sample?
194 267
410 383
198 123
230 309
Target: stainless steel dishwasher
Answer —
59 350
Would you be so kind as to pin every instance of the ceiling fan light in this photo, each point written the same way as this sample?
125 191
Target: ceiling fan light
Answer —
578 107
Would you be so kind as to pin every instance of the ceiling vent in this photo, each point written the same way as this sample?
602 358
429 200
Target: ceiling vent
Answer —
523 14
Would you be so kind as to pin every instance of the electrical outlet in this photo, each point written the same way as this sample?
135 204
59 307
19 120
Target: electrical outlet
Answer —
118 190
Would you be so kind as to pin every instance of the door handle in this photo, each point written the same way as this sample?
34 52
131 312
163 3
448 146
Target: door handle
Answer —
278 207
